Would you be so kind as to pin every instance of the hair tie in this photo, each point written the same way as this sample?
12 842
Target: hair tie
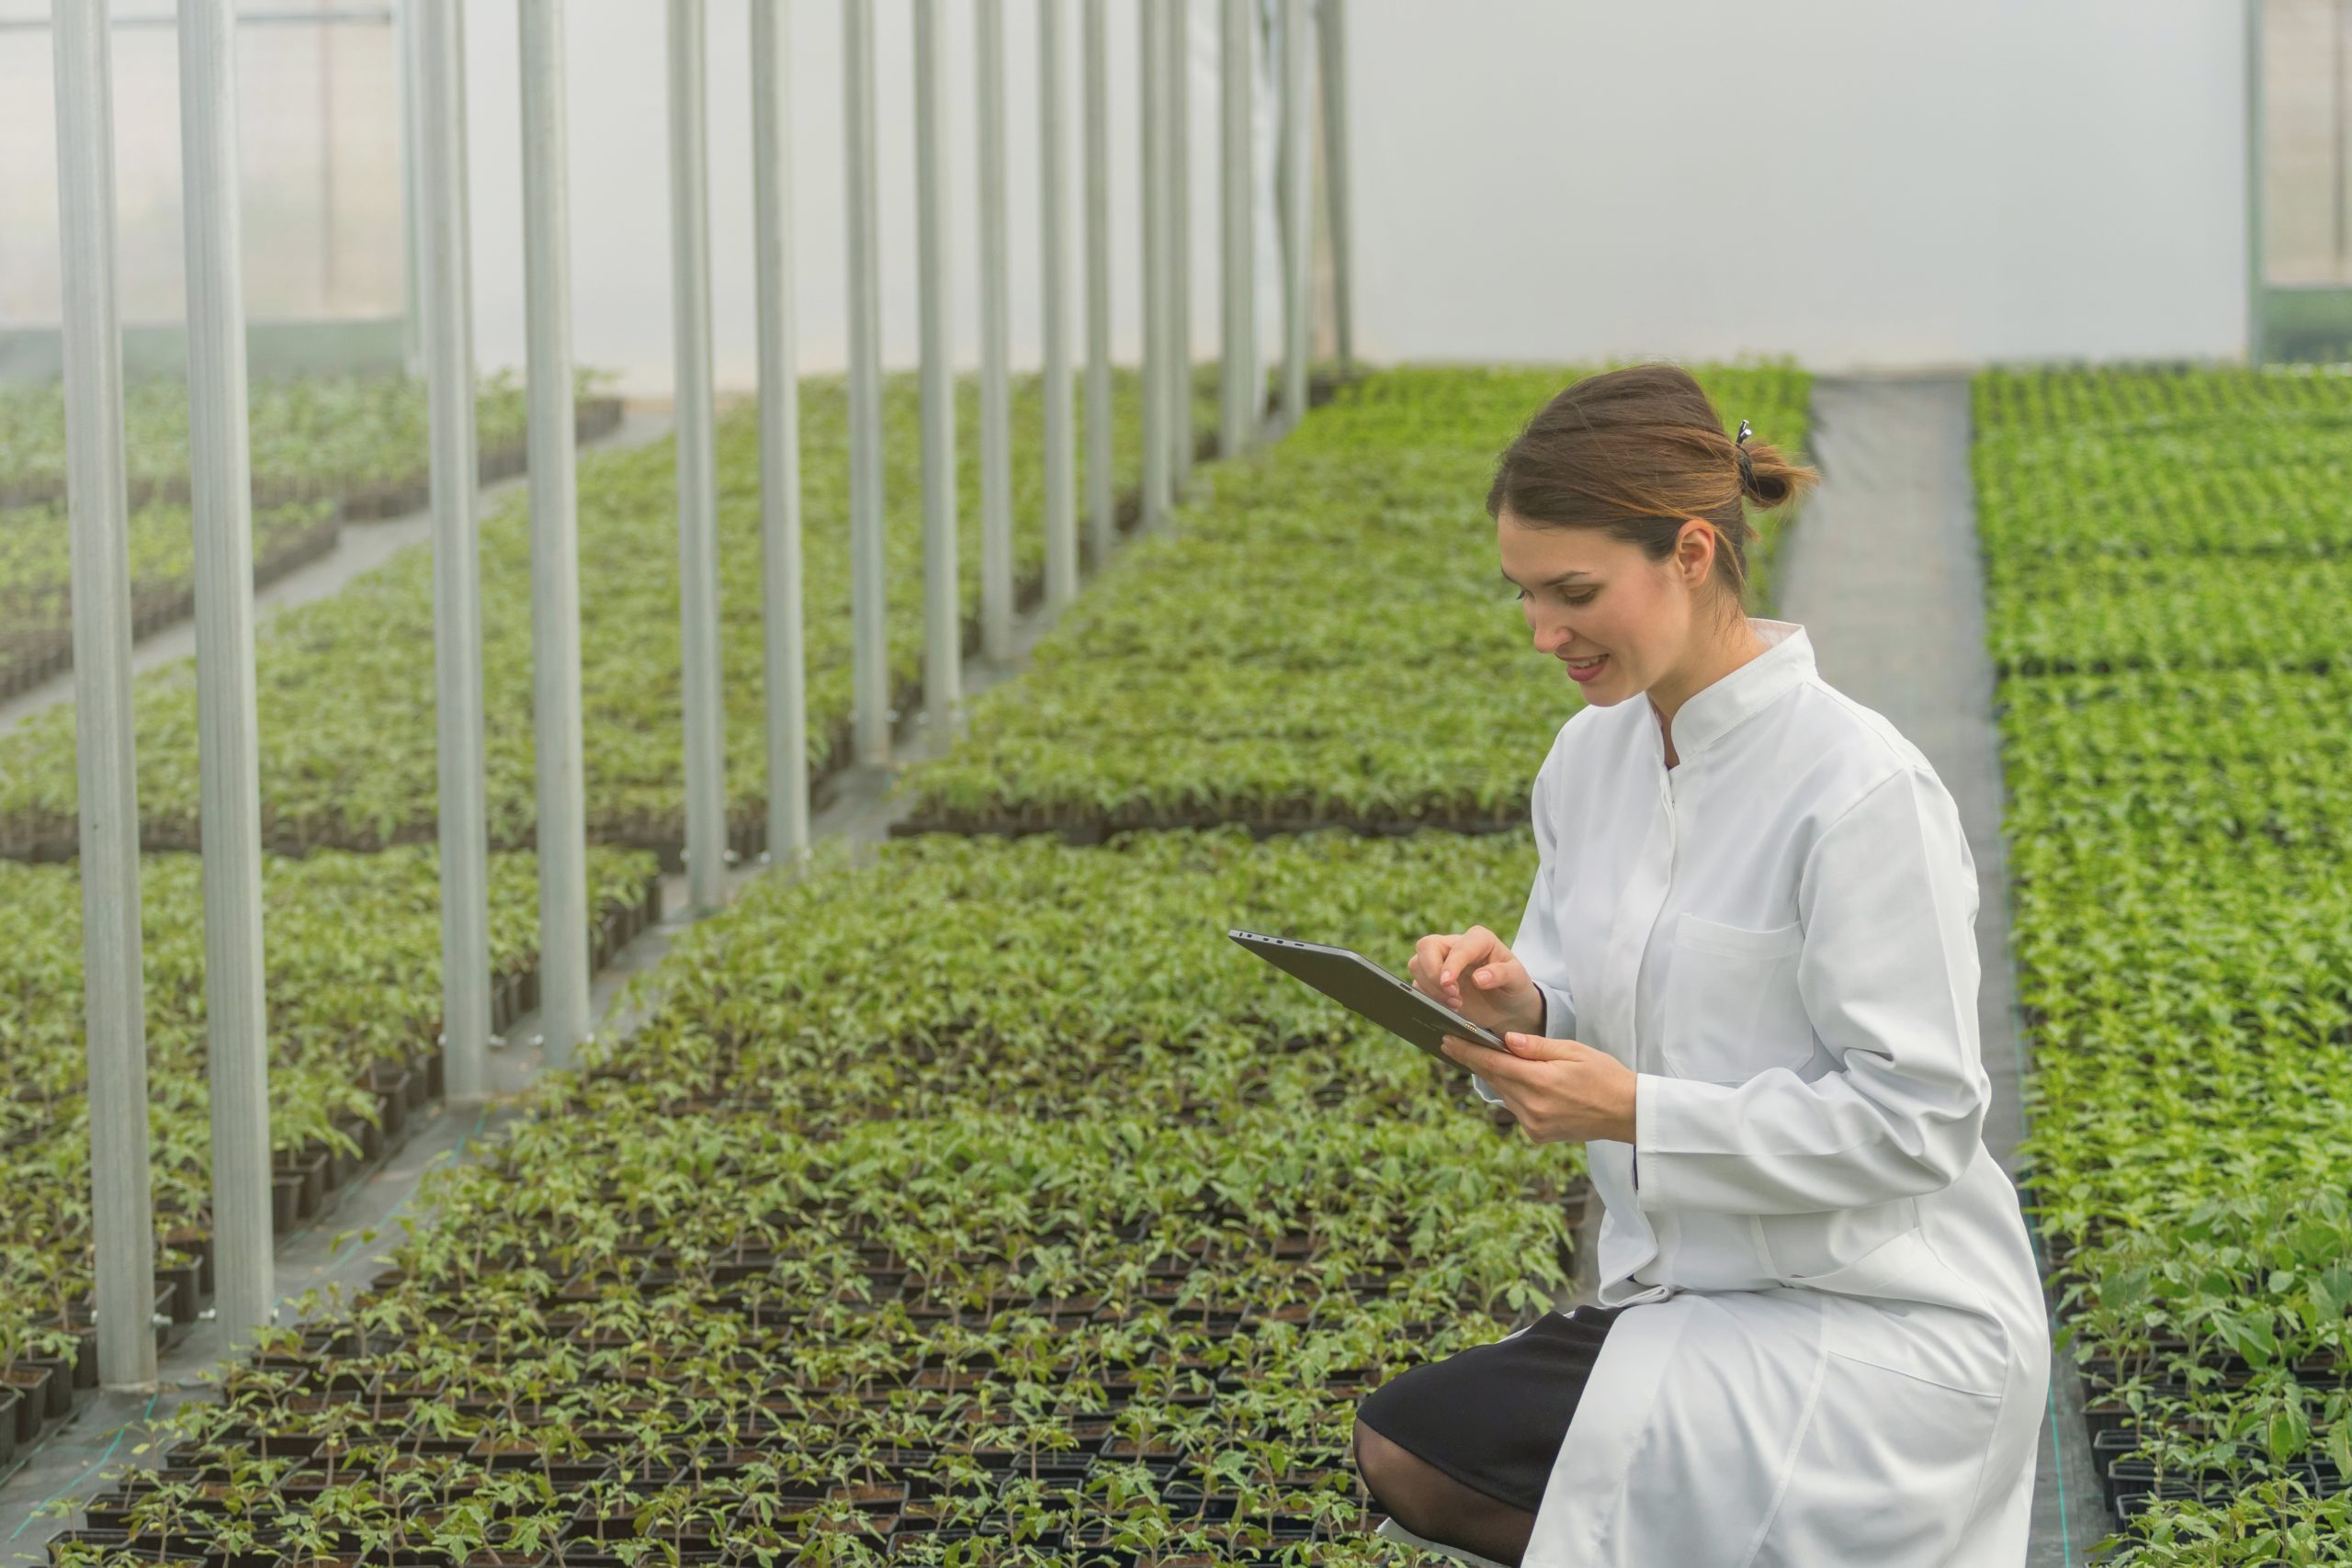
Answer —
1739 448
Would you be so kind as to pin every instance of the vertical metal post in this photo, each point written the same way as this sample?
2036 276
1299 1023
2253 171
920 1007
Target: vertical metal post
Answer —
2257 335
996 419
1053 210
942 600
564 1020
2335 128
697 465
1096 74
869 650
404 75
1240 381
1150 17
220 503
445 299
1178 110
780 592
1295 211
1330 34
96 493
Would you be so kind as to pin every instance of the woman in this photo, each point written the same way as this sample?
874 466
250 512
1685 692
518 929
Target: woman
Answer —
1747 979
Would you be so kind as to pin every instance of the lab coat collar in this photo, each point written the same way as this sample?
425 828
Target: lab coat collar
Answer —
1714 709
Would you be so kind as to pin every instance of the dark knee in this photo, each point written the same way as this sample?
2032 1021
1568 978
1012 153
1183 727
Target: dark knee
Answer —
1387 1472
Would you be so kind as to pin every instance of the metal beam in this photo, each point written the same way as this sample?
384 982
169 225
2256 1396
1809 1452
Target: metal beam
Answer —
2258 345
1296 209
113 995
781 611
1177 109
404 74
706 782
1240 384
564 1017
1151 36
220 504
1053 216
869 648
1331 32
445 297
942 597
995 411
1101 521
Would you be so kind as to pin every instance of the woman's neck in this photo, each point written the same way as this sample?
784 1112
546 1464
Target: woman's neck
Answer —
1722 656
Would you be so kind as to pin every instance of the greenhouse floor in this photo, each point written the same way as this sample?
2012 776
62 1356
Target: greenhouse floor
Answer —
1884 573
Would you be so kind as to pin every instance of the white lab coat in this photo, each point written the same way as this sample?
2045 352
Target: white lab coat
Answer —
1841 1354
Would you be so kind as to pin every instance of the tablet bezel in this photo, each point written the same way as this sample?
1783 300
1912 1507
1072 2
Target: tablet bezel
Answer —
1371 992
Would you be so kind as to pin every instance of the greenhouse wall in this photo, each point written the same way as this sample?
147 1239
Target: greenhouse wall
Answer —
2039 180
2035 180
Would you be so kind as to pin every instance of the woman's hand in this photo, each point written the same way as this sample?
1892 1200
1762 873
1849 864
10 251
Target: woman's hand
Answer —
1559 1090
1473 973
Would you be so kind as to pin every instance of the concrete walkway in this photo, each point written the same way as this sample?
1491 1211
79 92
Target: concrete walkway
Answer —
1884 573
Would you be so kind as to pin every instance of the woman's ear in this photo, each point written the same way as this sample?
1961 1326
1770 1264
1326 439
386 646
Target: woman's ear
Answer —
1694 552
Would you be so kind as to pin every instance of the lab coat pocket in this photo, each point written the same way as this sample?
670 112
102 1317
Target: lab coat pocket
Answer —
1732 1006
1884 1473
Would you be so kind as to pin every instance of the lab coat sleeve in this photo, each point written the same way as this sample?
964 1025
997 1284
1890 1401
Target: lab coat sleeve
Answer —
1888 974
1537 944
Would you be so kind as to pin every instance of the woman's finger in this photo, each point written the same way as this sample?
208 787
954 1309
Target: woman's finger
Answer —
1477 945
1497 1067
1537 1048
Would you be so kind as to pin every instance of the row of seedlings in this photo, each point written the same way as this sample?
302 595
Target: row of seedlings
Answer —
346 712
980 1203
2166 552
325 451
36 582
353 997
356 439
332 1121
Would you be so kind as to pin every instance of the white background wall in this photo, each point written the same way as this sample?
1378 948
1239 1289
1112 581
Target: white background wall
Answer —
1856 182
620 254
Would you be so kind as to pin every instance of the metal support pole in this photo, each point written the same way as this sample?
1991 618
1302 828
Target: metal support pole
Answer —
707 853
564 1017
1061 500
780 591
942 600
96 495
220 504
1294 212
1178 107
1240 383
869 648
1151 35
2257 344
1330 34
996 414
445 297
404 72
1102 522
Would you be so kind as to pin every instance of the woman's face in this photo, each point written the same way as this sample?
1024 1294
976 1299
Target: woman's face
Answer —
1587 595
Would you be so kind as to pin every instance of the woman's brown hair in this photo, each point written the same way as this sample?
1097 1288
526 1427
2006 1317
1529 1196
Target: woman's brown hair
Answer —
1638 451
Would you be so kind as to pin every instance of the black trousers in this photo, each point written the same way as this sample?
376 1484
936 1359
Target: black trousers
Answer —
1492 1416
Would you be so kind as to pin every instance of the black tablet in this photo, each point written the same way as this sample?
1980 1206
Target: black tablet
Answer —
1365 988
